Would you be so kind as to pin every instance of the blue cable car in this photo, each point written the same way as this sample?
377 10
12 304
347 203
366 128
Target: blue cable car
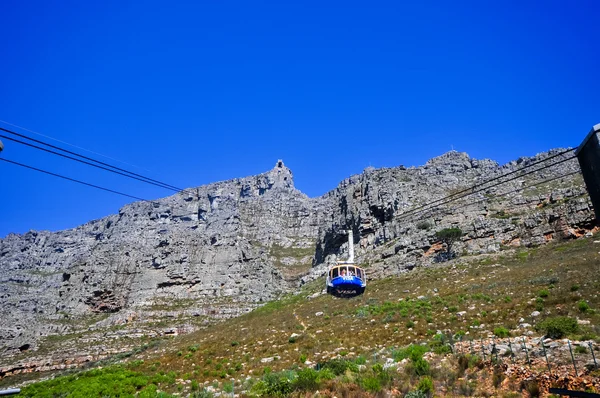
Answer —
345 279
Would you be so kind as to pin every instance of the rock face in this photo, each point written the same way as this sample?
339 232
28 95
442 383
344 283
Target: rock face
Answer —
522 209
205 252
222 249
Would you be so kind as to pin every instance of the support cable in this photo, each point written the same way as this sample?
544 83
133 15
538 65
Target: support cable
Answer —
85 162
472 190
121 171
71 179
488 181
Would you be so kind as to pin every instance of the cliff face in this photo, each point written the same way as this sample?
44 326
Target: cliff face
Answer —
518 210
208 252
219 250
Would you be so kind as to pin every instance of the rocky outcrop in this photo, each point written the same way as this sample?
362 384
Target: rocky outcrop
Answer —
207 250
222 249
522 209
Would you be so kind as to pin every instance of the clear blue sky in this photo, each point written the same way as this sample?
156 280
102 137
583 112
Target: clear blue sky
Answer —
202 91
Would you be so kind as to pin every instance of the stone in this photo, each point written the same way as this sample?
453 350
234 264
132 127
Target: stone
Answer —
320 313
535 314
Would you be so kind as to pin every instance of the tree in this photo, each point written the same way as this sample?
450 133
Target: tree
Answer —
449 236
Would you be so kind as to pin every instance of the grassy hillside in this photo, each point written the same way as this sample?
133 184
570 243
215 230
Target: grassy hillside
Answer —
362 346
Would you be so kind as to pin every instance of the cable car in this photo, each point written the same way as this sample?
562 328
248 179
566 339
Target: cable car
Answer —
344 279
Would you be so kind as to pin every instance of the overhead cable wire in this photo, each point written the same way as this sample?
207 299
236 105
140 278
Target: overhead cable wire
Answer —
72 179
129 174
84 162
69 144
470 191
518 189
487 182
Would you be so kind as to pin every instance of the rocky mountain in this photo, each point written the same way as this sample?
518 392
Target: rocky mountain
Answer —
173 265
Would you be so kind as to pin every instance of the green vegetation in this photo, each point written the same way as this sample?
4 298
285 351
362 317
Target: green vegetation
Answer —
583 306
115 381
449 236
501 332
558 327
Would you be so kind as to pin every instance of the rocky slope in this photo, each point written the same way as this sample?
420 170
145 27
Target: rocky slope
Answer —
219 250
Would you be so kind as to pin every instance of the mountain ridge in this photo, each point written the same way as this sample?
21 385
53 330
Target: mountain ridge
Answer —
222 249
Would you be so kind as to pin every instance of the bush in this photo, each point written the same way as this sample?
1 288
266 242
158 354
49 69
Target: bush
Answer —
339 366
413 352
421 367
574 287
449 236
307 380
543 293
501 332
425 385
442 349
360 360
558 327
583 306
274 385
109 381
370 383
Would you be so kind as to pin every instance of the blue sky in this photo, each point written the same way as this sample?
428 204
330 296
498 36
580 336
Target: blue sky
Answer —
195 92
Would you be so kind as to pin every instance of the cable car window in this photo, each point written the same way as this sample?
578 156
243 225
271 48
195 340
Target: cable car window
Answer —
334 273
359 273
351 271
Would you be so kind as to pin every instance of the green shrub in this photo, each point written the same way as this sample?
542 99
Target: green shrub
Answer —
274 385
558 327
583 306
449 236
307 380
425 385
235 343
442 349
421 367
581 349
109 381
228 387
574 287
360 360
413 352
370 383
501 332
543 293
326 374
339 366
